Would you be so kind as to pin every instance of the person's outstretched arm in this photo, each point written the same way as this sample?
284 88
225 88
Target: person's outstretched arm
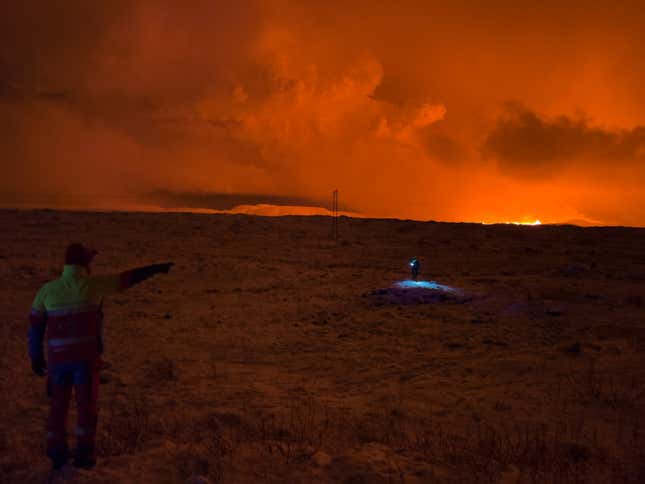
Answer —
140 274
103 285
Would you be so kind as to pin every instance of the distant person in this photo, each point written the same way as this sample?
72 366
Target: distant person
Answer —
68 310
414 268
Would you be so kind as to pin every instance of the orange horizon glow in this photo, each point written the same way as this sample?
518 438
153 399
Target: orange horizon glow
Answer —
413 110
269 210
526 222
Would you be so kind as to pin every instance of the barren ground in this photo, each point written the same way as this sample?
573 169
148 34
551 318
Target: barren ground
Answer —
262 357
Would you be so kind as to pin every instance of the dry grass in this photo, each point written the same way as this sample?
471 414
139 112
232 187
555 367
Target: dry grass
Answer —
215 445
124 429
566 453
591 385
489 390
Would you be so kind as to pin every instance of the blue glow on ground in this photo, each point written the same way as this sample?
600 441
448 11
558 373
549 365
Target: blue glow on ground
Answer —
410 284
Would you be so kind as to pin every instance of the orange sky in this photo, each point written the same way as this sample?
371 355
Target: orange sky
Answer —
467 112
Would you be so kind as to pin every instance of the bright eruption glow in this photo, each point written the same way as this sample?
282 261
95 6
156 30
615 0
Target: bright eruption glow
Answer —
535 222
263 114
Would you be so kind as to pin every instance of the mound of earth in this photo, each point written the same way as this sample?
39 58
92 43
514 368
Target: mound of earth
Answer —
411 292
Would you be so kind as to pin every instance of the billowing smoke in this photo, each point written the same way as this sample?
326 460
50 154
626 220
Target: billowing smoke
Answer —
404 108
525 144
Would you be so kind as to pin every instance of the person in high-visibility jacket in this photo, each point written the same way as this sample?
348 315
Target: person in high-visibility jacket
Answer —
67 313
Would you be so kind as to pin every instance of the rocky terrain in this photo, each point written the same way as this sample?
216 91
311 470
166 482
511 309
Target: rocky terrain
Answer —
272 353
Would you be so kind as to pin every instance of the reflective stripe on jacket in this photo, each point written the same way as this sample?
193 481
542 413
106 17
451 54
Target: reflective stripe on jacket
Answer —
68 311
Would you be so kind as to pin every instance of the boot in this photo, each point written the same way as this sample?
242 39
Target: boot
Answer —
85 457
58 458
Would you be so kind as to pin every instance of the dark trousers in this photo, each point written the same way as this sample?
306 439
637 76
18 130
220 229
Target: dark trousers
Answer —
60 391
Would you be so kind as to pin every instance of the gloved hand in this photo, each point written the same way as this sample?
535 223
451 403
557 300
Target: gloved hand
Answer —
39 366
165 267
135 276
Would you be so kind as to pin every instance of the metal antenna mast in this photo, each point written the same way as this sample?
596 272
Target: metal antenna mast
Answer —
334 215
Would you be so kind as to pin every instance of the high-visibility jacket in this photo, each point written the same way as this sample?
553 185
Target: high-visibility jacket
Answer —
67 311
